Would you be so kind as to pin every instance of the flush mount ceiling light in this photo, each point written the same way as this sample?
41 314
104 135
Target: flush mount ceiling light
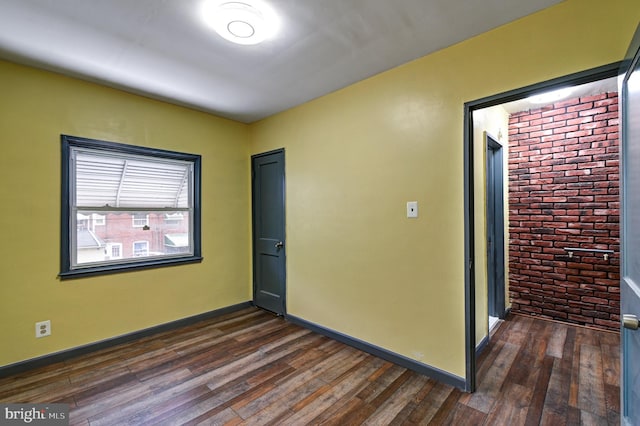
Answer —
551 97
241 22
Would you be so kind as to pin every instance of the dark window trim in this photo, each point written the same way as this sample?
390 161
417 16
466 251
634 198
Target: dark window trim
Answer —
66 272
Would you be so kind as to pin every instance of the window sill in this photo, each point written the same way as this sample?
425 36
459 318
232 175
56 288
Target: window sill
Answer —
119 268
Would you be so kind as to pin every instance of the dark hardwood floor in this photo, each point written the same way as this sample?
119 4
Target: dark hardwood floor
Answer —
252 368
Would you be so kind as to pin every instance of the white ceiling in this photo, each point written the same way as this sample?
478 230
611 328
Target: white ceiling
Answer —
163 49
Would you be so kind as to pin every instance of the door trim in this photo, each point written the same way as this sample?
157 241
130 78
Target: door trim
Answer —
588 76
498 302
253 227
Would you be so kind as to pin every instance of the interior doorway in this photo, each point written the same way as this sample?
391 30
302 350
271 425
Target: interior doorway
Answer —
476 198
562 205
495 208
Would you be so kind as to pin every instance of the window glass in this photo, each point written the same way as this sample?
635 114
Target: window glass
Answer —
140 219
125 206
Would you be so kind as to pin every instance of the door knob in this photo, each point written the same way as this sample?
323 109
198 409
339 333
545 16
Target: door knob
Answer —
279 244
630 321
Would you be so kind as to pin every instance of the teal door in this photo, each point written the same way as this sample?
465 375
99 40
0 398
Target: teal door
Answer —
269 261
630 236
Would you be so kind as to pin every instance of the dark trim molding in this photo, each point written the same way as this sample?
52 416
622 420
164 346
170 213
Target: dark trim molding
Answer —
469 255
418 367
587 76
22 366
68 143
581 77
482 345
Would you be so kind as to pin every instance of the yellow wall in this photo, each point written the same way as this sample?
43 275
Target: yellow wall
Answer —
355 263
35 108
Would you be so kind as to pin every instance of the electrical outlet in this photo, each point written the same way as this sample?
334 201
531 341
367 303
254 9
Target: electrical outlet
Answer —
43 328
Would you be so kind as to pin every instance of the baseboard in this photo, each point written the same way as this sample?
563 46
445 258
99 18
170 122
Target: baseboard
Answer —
483 344
506 313
427 370
29 364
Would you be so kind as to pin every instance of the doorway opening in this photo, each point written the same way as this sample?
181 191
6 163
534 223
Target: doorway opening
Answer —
495 227
532 241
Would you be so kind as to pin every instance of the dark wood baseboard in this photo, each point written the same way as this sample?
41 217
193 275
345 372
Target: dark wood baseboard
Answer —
32 363
418 367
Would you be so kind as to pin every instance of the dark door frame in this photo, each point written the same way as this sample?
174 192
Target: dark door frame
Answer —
495 227
588 76
253 228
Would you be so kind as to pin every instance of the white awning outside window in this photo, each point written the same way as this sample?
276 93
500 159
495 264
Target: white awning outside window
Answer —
176 240
128 181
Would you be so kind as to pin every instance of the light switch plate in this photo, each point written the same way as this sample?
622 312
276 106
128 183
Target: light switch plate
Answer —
412 209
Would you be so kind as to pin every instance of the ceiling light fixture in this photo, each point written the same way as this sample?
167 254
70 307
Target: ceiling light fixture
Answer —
242 22
551 97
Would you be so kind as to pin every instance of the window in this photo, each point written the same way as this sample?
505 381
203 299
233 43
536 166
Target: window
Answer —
132 193
98 220
141 248
140 220
173 218
114 250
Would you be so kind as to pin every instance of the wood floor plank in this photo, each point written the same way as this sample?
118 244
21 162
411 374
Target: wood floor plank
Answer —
611 363
589 419
391 403
557 394
556 341
612 398
573 416
316 354
446 411
360 377
488 389
512 410
403 415
591 397
536 406
429 406
379 382
550 418
574 366
519 332
307 414
253 368
224 417
161 411
464 415
272 406
489 356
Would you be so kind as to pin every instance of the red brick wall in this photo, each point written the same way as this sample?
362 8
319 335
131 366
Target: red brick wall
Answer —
563 192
